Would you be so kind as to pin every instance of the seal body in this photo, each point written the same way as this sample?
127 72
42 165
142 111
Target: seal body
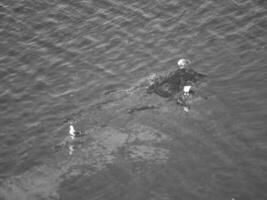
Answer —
174 82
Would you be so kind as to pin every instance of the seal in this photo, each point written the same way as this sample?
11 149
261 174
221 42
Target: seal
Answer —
181 79
177 84
182 63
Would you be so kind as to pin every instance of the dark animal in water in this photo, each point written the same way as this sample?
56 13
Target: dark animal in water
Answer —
173 83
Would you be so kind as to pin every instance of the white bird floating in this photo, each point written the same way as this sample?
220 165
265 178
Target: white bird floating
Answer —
187 89
183 62
73 133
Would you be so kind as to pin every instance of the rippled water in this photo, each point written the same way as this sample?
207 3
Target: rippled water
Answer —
61 58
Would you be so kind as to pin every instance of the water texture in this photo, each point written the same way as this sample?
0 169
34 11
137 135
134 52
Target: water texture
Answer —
86 61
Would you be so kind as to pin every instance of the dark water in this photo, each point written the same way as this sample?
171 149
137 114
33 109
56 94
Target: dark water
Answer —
60 58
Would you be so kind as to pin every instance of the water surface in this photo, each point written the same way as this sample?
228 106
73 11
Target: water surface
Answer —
59 59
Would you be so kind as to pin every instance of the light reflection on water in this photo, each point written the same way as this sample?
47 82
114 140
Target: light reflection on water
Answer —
60 58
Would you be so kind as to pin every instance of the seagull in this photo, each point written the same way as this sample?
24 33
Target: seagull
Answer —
187 89
183 62
73 133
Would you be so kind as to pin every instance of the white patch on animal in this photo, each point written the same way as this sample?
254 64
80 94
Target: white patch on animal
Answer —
183 62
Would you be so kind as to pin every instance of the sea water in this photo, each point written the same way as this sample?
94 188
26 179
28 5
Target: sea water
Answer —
60 58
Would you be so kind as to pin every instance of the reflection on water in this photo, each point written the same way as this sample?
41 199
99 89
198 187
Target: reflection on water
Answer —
83 61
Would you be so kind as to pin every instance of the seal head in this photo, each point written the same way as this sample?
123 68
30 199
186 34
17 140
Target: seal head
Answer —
182 63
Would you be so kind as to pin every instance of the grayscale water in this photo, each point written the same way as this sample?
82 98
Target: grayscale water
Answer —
71 60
